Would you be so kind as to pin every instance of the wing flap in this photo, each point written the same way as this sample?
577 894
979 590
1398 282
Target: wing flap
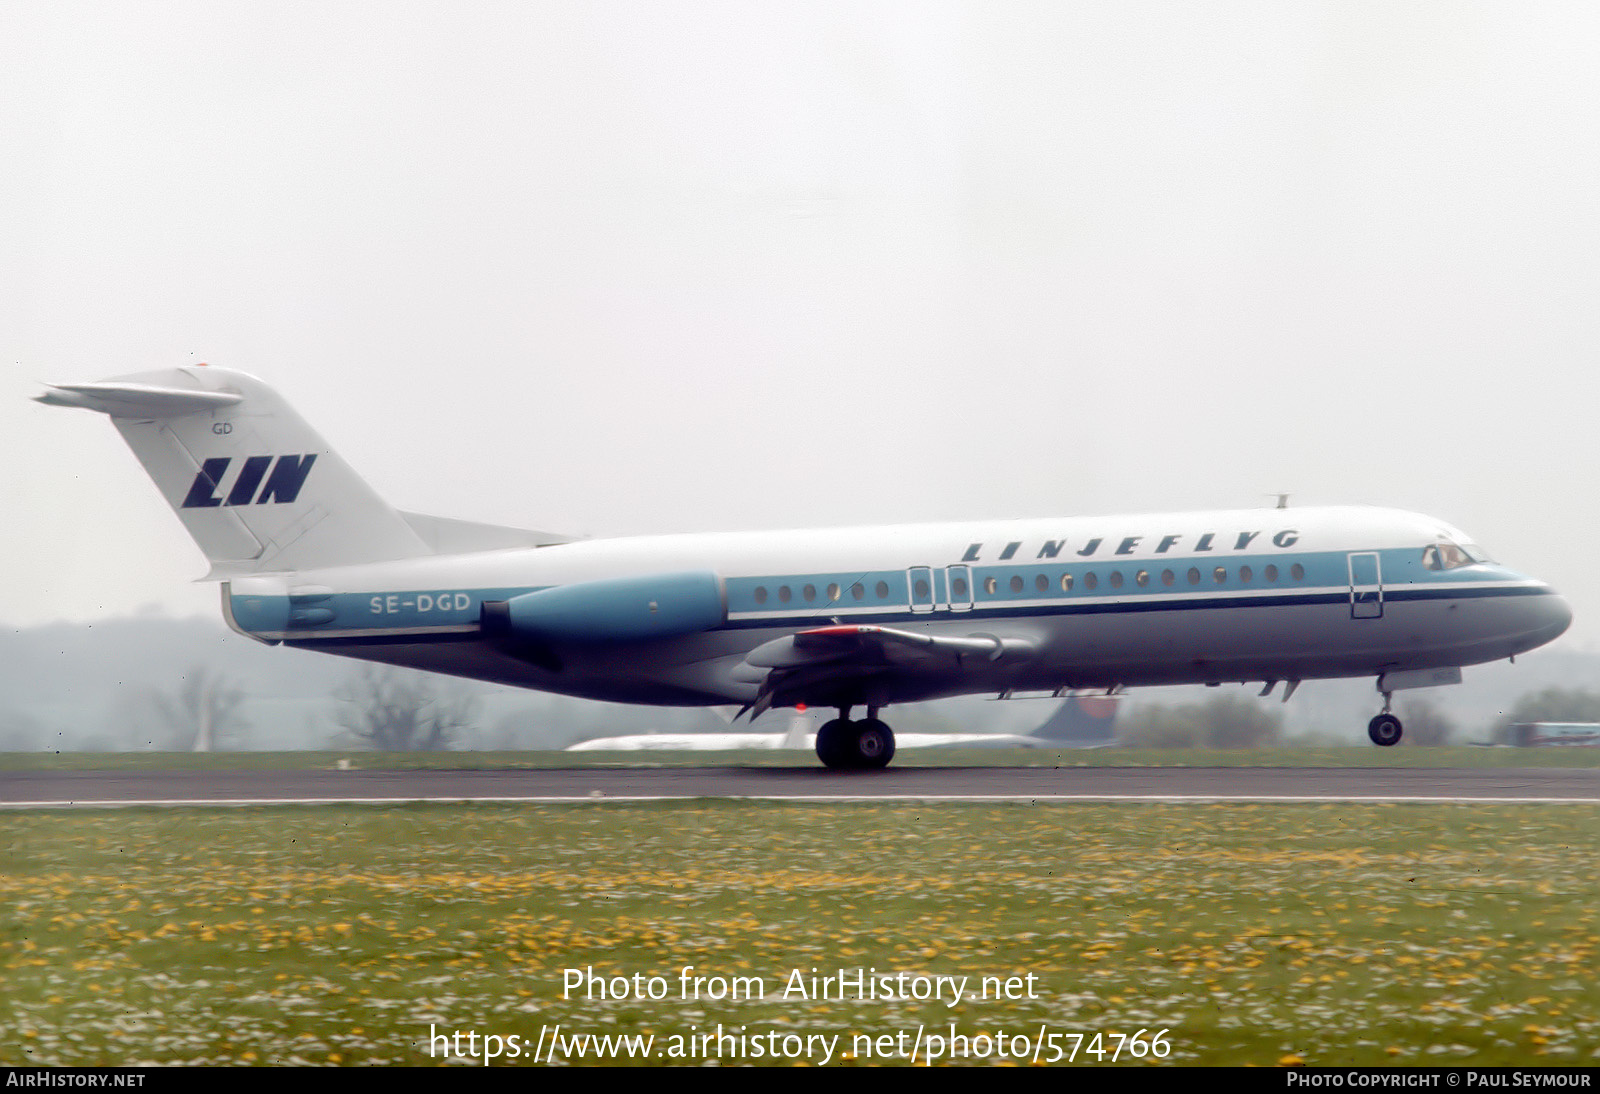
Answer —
827 656
822 644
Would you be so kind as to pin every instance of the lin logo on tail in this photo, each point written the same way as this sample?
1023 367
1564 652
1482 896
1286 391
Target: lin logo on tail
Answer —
282 485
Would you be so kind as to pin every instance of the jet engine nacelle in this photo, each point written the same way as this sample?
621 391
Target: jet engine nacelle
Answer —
623 609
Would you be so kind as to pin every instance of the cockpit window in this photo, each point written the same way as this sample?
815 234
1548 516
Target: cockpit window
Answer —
1450 556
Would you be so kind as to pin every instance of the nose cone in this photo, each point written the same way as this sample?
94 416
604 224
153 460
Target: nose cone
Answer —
1557 616
1547 616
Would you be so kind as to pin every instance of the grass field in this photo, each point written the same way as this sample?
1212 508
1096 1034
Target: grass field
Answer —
1251 934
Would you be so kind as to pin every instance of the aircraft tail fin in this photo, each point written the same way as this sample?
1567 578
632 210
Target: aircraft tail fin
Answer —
1081 719
255 486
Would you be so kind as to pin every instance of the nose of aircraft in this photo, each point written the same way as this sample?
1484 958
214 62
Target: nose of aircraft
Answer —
1548 616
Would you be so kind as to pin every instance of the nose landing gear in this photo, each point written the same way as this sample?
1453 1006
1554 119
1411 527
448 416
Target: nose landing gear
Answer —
1385 729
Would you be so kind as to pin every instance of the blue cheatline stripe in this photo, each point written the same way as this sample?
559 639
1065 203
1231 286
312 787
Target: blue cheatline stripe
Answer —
1180 603
1324 570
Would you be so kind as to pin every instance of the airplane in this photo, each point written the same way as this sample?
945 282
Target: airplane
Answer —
1082 721
309 556
796 738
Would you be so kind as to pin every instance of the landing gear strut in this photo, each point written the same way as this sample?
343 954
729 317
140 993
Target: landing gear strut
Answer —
1385 729
845 745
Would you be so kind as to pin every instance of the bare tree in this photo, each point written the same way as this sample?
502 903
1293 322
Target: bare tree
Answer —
199 713
402 710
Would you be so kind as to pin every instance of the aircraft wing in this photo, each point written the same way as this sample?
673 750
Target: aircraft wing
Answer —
688 742
822 657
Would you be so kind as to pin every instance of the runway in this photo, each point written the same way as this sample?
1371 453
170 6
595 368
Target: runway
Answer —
1242 784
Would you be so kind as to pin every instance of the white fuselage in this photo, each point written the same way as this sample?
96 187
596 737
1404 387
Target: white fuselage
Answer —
1269 594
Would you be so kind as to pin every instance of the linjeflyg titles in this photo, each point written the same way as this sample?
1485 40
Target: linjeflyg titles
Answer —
1134 545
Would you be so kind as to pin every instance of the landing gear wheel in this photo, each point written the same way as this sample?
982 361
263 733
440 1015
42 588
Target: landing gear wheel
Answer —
833 743
855 746
1384 730
874 744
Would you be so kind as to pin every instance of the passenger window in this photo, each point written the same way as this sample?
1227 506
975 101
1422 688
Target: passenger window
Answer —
1245 575
989 586
1167 578
1142 577
1090 581
1016 583
1297 571
1116 579
1221 575
920 590
784 594
1066 583
761 594
833 590
883 589
810 593
857 591
1271 573
1041 583
1194 576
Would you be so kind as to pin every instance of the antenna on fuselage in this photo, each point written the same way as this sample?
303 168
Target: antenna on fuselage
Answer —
1283 500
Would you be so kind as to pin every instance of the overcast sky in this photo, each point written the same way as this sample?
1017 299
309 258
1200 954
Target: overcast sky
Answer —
655 267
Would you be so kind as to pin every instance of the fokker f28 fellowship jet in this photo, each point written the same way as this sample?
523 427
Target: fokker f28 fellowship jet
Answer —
309 556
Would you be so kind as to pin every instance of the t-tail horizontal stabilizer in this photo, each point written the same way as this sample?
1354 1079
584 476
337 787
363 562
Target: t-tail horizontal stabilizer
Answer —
137 400
256 487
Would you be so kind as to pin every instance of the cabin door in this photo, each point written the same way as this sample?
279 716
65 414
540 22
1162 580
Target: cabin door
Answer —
1366 586
958 584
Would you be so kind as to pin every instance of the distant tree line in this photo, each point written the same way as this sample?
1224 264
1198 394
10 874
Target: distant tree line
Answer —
1237 721
1551 705
1229 721
1425 724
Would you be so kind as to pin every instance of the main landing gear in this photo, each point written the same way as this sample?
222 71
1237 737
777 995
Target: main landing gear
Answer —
855 746
1385 729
